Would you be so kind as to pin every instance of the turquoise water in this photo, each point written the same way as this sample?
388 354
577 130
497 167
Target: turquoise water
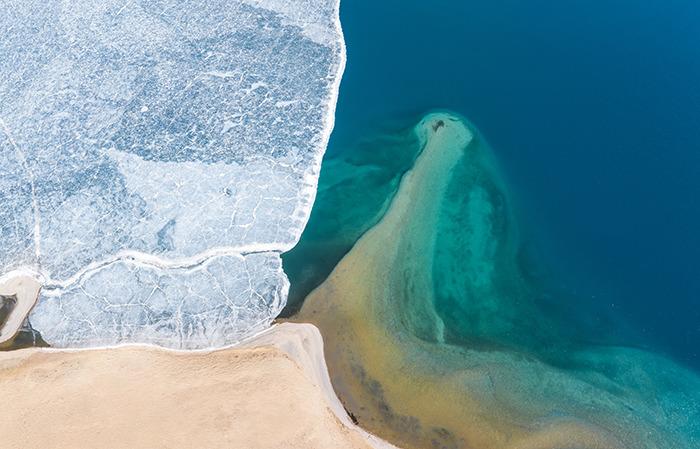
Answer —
437 332
354 190
491 290
530 296
593 111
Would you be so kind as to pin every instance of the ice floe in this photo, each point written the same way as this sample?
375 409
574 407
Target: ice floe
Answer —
157 157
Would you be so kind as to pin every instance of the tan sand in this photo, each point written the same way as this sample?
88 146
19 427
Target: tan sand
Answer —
25 290
272 396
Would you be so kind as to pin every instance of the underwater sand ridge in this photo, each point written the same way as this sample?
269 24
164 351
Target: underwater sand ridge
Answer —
398 367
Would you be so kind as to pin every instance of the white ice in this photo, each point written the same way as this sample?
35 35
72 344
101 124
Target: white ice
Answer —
156 157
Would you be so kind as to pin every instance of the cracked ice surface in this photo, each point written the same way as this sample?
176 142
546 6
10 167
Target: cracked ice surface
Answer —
157 156
184 308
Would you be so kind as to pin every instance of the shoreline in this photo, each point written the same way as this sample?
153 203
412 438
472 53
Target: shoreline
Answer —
286 357
303 343
403 381
360 331
394 370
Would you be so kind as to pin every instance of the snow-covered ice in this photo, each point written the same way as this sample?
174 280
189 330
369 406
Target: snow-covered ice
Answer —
156 157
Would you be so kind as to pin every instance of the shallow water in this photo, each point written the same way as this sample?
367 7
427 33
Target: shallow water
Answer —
553 289
436 335
593 110
354 190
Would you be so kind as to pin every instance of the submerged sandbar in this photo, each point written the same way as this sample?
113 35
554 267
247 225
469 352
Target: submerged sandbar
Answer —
433 339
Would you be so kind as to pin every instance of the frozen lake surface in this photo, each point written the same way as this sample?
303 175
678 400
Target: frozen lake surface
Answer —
157 157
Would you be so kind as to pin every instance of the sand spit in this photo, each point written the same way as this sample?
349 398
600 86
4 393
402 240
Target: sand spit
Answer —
274 392
19 292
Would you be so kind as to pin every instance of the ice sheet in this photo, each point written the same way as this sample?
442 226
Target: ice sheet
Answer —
144 143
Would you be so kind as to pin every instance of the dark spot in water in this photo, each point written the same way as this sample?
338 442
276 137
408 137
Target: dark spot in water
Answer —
27 337
439 124
352 416
443 439
7 304
408 425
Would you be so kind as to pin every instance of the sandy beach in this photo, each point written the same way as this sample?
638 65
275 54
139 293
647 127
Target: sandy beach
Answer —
272 392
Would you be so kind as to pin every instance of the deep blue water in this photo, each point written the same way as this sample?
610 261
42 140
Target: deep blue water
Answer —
593 110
